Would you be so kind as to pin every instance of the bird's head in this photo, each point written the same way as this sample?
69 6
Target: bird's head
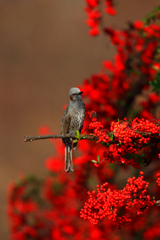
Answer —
75 94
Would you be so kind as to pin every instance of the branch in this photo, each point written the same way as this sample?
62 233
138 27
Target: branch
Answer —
82 137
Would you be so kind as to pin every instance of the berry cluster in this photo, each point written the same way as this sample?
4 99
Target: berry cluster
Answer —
94 14
48 208
134 71
127 138
158 178
109 7
97 128
107 202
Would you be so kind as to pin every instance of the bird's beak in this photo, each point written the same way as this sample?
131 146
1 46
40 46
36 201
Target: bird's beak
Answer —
80 93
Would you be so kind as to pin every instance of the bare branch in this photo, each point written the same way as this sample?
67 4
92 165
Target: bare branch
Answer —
82 137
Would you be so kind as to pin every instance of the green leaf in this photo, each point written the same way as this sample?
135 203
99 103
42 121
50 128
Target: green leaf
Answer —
98 157
94 161
112 166
19 183
143 134
156 9
103 143
156 83
111 137
75 140
77 134
122 102
118 144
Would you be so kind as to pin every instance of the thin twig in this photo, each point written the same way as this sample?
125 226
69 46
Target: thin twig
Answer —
82 137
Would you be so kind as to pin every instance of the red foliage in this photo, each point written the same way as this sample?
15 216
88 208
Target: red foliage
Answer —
109 7
49 208
107 202
126 138
158 177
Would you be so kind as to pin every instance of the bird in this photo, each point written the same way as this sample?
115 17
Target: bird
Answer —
72 120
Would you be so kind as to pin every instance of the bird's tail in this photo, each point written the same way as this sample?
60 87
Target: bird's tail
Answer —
68 159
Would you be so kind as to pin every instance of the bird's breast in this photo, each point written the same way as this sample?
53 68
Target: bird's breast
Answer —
78 114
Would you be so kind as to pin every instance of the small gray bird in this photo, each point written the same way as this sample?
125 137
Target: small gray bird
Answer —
72 120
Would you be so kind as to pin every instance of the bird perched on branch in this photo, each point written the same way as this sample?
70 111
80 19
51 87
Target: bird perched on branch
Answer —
72 120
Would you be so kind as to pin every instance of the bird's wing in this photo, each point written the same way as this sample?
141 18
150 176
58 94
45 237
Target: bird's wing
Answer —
65 121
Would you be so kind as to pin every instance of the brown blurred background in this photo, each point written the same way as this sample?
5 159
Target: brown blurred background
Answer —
44 51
